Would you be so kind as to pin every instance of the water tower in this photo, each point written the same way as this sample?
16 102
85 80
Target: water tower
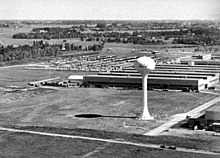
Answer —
144 65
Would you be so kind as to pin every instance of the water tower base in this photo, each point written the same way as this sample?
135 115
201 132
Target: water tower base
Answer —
146 118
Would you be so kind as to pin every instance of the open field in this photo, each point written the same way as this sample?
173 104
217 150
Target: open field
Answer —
29 145
196 143
20 77
113 110
6 35
8 32
17 76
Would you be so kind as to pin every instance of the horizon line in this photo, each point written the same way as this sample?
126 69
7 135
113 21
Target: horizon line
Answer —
109 20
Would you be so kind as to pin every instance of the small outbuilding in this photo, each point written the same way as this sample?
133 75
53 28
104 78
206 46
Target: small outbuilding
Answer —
75 78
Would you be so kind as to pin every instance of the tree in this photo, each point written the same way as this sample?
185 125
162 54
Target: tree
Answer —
101 25
1 57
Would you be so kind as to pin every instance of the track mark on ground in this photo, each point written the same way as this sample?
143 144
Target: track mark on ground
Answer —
97 150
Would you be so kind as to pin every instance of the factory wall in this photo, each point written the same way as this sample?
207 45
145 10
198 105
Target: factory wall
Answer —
136 82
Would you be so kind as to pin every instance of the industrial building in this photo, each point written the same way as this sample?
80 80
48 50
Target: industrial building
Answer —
201 59
167 76
75 78
209 119
184 84
212 115
209 79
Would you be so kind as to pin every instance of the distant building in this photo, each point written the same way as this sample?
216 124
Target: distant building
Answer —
203 56
75 78
43 31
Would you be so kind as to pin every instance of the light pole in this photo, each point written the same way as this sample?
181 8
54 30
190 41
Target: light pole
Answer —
144 65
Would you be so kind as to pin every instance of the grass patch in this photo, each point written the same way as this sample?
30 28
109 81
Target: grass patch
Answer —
18 76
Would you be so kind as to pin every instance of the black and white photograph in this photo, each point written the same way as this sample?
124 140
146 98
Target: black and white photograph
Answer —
109 78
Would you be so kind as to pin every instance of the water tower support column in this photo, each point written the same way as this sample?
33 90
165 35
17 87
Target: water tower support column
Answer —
145 112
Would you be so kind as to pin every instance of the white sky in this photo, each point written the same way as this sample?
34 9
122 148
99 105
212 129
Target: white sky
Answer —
110 9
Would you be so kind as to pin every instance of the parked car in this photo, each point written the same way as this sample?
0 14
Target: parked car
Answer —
162 146
172 147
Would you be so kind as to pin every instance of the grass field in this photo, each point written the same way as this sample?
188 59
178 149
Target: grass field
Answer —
201 143
7 33
20 77
35 146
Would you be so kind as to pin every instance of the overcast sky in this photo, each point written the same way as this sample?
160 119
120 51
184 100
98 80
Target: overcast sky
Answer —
110 9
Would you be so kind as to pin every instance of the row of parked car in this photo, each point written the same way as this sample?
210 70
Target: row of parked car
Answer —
168 147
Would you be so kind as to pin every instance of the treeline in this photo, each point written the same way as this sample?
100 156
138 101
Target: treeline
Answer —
143 34
200 35
204 40
49 33
77 32
10 53
74 47
192 35
42 49
4 25
135 40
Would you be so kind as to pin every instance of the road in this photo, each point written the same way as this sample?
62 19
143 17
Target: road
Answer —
180 117
12 66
